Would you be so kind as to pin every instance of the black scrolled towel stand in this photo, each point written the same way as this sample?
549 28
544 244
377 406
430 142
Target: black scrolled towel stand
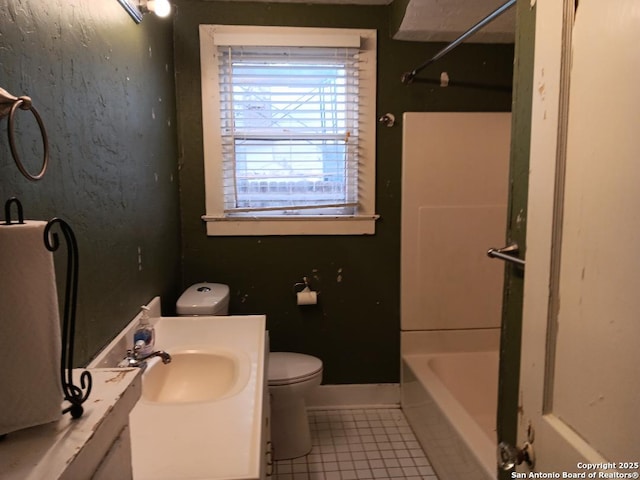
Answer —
72 393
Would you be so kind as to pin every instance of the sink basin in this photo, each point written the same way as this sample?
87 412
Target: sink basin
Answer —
195 376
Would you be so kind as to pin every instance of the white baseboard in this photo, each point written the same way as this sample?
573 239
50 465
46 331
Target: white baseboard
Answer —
380 395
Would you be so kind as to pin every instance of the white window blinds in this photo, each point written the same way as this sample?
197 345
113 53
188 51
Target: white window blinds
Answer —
289 129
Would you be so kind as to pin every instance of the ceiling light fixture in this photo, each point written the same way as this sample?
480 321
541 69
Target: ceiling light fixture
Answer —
137 8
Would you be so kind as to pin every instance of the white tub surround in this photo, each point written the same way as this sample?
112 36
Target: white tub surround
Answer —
454 208
94 446
454 203
174 437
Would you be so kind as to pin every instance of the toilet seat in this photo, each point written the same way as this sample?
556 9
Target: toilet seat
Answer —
286 368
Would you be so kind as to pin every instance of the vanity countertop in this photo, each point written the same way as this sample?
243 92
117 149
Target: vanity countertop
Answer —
220 439
72 449
224 438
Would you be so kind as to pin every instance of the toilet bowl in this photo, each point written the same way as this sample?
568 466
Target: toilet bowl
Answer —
291 376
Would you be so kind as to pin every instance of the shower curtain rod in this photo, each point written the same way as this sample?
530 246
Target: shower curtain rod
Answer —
408 77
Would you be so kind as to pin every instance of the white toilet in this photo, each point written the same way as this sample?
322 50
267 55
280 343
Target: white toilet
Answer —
204 299
291 375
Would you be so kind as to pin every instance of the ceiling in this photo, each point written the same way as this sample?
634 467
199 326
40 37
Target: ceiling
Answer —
443 20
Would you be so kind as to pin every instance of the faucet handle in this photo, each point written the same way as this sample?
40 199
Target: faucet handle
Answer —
129 360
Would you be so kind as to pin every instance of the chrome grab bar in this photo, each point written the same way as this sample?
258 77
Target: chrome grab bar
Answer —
507 254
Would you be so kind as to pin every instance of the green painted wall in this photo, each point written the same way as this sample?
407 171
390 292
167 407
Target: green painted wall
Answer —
355 329
104 87
511 332
397 10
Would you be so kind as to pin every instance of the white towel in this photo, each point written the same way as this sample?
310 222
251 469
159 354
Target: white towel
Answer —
30 390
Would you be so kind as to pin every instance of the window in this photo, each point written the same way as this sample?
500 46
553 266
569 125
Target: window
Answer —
289 130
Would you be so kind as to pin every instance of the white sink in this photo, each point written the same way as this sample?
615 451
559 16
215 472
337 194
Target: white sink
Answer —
202 415
196 376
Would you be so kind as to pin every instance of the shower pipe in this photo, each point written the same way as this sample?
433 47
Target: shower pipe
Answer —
409 77
8 106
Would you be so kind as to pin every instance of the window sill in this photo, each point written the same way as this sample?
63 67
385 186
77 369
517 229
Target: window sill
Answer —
298 225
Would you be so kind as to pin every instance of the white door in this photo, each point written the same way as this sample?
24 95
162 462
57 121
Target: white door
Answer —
580 365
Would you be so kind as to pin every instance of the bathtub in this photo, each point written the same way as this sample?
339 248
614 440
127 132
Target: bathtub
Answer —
450 400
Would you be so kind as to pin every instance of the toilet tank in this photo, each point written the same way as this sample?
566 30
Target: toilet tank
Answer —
204 299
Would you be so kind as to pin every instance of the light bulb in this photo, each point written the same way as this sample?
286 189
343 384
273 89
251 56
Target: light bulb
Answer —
161 8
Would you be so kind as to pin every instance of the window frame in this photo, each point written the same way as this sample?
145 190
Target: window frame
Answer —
217 222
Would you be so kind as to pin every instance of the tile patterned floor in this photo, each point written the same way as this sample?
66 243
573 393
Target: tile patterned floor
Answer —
354 444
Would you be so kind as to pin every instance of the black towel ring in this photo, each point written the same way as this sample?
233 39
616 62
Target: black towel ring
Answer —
24 103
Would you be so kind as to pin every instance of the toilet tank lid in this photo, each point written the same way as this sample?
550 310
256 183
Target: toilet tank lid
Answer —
202 298
289 366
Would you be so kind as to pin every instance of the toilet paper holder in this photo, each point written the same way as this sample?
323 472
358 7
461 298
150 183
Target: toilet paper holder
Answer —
305 295
302 286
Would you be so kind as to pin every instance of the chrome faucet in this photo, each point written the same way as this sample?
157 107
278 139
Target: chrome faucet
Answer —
135 359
